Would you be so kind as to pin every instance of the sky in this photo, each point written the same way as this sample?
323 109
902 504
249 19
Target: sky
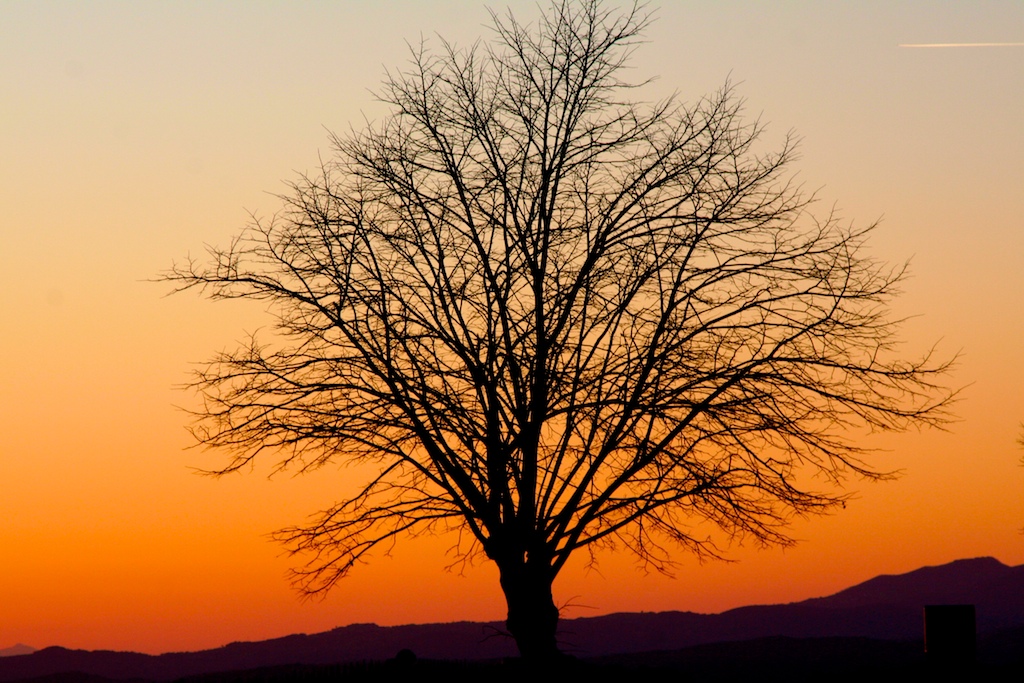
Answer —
134 133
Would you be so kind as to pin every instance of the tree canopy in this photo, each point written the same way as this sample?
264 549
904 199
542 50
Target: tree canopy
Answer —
557 319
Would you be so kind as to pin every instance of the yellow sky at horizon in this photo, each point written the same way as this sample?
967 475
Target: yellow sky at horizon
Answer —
135 133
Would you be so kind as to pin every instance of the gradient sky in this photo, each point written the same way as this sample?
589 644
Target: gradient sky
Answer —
133 133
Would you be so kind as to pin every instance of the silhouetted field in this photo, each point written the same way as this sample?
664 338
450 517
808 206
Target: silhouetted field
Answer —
764 660
869 632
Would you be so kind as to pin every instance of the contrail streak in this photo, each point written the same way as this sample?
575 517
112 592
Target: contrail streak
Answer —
961 45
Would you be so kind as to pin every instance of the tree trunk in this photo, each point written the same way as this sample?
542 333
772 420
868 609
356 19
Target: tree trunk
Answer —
532 615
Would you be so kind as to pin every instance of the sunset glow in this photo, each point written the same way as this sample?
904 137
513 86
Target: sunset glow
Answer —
134 134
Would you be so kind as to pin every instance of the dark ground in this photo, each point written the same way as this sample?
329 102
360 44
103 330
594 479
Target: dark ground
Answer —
765 660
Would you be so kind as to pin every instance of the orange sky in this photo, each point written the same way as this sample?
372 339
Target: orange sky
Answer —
134 133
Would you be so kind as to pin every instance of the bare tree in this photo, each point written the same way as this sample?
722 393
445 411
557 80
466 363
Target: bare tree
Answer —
556 320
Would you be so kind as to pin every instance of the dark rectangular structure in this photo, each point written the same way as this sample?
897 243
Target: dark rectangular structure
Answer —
950 633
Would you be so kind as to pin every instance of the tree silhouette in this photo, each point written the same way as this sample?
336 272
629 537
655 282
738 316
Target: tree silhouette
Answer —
555 320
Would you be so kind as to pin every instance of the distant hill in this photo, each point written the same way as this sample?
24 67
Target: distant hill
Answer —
885 608
19 649
984 580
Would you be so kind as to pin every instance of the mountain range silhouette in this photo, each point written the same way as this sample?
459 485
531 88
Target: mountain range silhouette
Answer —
886 608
